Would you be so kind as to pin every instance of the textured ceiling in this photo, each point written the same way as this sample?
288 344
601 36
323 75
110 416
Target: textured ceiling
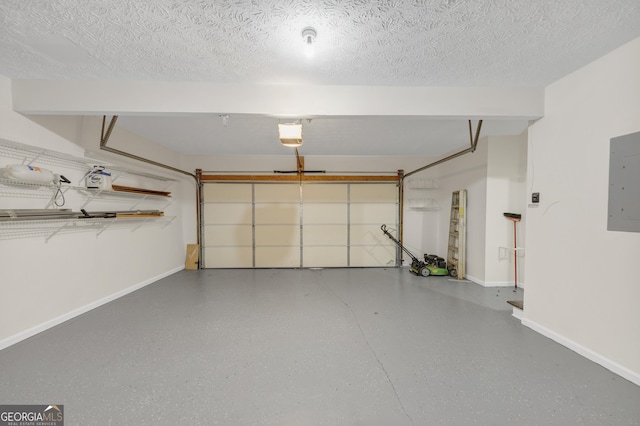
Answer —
488 43
425 43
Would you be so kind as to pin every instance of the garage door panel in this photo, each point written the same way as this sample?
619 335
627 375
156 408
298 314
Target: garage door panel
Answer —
265 225
316 235
277 235
373 213
231 214
277 214
372 256
363 193
277 192
278 257
228 235
228 257
370 235
325 213
325 193
321 257
227 192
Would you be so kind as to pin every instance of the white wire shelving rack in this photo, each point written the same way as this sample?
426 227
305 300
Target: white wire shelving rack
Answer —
13 228
48 228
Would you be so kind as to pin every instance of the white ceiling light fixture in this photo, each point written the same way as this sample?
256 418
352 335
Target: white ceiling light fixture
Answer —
309 36
290 134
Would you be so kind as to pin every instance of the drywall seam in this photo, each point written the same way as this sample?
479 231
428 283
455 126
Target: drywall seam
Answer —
12 340
610 365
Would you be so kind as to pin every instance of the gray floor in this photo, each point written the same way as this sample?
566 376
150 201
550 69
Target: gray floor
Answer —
311 347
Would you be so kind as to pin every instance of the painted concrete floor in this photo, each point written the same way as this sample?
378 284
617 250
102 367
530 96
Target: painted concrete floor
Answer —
311 347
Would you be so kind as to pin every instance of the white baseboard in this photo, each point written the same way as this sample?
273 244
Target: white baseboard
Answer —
610 365
12 340
517 313
493 283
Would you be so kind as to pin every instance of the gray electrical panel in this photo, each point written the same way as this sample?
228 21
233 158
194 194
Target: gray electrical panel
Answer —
624 183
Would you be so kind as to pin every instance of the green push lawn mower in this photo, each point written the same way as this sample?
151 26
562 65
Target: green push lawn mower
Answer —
432 265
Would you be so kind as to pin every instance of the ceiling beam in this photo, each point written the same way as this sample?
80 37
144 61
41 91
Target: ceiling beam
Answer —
175 98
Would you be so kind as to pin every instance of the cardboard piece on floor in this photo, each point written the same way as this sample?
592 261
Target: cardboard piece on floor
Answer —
192 256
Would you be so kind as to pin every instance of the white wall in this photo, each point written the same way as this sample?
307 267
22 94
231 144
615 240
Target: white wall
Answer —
583 286
44 283
506 192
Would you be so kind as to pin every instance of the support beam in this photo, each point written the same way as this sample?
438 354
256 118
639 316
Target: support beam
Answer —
140 98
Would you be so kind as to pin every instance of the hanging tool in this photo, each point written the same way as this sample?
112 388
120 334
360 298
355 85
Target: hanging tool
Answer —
515 218
58 197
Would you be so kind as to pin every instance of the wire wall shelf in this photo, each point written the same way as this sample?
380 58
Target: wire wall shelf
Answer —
28 155
49 222
123 197
31 155
422 184
13 188
48 228
424 204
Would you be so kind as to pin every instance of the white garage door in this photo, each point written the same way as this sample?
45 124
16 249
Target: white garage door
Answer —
285 225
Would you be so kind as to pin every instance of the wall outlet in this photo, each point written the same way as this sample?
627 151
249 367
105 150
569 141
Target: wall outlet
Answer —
535 197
